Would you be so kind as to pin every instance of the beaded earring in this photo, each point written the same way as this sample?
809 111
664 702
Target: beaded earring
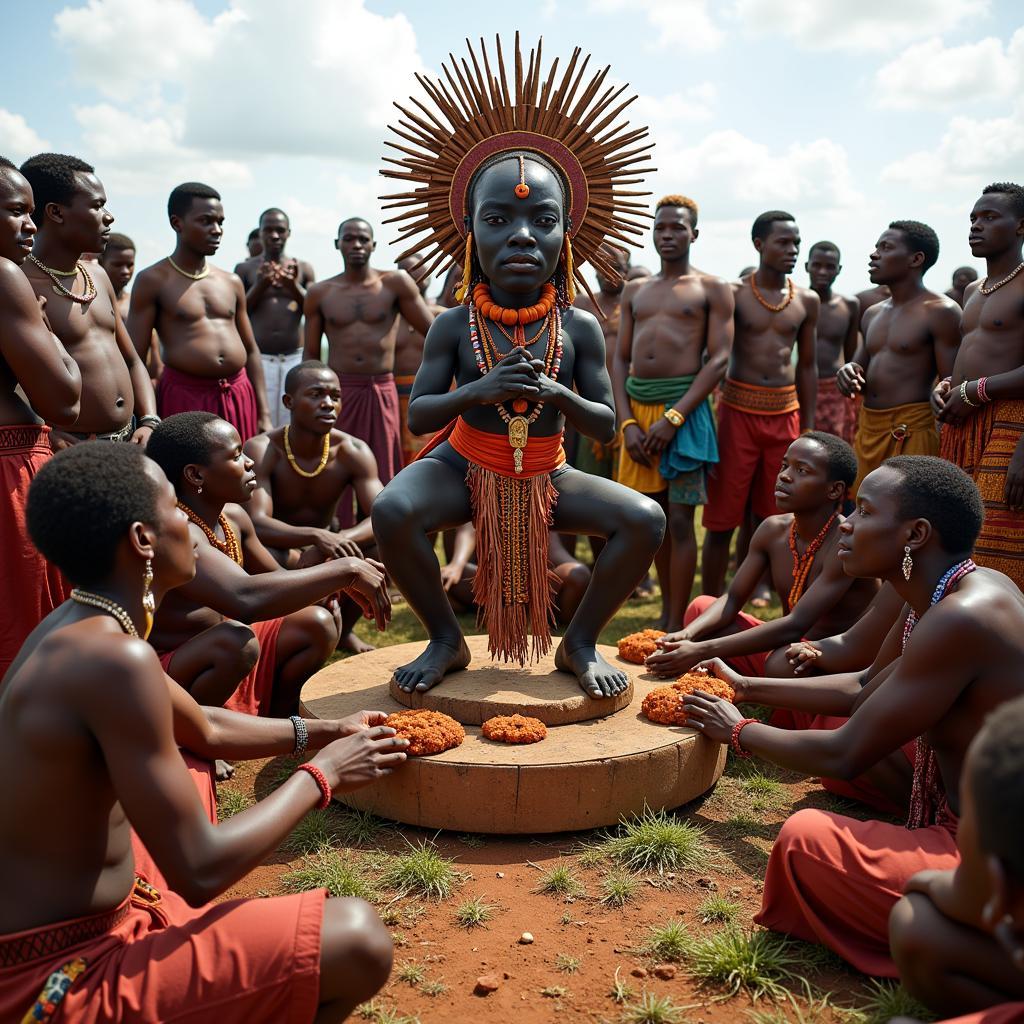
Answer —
148 600
908 562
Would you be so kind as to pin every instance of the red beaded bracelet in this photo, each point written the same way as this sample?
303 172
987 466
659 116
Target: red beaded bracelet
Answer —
982 396
734 741
321 780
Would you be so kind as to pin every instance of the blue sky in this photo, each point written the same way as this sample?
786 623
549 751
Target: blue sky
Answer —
849 115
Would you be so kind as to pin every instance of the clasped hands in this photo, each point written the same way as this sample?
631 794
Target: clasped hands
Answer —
516 375
281 275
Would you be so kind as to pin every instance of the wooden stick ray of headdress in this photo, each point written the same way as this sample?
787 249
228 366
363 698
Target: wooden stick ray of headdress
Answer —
475 114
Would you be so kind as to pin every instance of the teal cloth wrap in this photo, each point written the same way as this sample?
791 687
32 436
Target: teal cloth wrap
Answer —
695 443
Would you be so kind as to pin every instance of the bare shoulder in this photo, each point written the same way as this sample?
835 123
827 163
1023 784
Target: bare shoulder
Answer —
153 276
259 445
318 288
873 313
774 527
583 302
809 297
450 321
941 306
247 267
238 517
14 285
102 657
353 451
713 284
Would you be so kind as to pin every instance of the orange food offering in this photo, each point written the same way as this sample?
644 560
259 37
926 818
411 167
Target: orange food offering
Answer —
637 646
428 732
665 704
514 729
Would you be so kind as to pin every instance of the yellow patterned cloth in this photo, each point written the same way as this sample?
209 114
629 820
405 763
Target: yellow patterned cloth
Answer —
645 479
902 430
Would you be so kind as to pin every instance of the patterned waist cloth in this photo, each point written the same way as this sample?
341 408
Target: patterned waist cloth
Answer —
23 437
757 399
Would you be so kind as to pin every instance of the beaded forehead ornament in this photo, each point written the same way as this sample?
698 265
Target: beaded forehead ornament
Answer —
476 115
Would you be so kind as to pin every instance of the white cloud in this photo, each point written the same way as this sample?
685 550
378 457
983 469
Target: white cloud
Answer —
695 104
137 156
866 25
931 75
17 140
972 152
685 23
253 80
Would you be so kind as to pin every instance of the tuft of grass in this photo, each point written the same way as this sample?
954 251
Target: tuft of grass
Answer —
340 876
890 999
669 942
473 841
765 793
620 991
742 825
617 888
433 988
315 833
566 918
378 1014
359 828
657 841
591 856
760 963
554 991
567 964
231 801
815 1010
422 872
411 973
652 1009
717 909
560 881
474 913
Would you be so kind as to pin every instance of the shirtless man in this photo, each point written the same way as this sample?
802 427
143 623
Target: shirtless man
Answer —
837 341
118 260
358 311
834 879
90 727
254 244
301 471
982 407
818 598
673 348
408 356
33 359
958 936
117 402
212 362
767 399
962 277
238 579
909 339
871 297
275 289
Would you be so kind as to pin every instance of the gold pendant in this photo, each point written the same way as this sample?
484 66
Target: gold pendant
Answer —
518 431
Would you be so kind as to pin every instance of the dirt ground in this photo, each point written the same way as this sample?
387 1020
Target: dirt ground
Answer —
580 945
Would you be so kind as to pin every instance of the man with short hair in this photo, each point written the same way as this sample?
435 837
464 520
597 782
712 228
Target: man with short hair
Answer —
408 356
958 936
834 879
962 277
767 398
32 359
981 408
212 362
673 349
254 243
358 310
909 340
275 289
836 340
117 402
302 469
199 630
118 260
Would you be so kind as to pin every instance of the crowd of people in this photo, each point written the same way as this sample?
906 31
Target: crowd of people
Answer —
189 528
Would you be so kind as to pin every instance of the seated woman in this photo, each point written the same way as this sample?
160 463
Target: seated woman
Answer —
89 728
243 616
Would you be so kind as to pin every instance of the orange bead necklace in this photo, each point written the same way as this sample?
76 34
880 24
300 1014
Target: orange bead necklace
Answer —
229 546
516 318
764 302
802 563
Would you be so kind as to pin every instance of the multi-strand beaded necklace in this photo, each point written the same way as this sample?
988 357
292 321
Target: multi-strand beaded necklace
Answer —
802 563
927 793
229 546
487 354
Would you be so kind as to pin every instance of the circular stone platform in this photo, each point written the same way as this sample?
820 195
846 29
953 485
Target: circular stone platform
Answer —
583 775
488 688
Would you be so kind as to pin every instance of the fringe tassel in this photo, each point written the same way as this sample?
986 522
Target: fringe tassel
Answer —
467 270
513 588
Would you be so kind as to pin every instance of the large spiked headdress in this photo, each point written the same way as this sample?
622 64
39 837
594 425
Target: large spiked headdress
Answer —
478 117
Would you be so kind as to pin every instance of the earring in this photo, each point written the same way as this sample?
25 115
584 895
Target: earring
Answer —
908 562
148 600
199 489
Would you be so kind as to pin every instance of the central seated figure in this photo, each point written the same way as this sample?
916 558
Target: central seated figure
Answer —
523 361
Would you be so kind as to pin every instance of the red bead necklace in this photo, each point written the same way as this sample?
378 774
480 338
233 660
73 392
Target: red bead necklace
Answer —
802 563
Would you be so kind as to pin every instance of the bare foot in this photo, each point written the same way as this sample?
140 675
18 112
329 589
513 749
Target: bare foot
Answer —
350 642
223 770
596 677
439 658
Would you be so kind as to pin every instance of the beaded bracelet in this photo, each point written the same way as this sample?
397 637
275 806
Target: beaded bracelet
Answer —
963 394
734 741
301 735
321 780
982 394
